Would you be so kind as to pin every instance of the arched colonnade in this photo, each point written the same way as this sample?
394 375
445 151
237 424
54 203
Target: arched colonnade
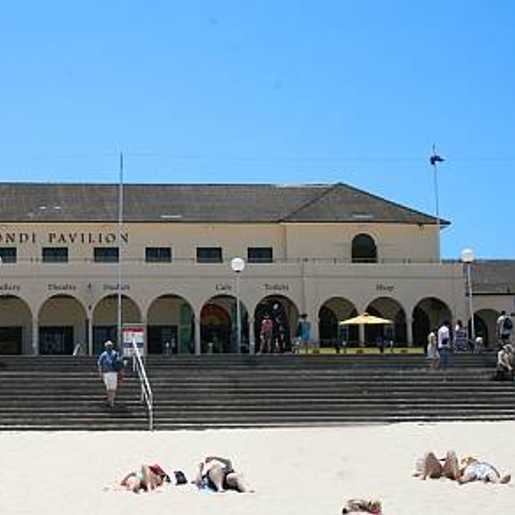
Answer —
175 325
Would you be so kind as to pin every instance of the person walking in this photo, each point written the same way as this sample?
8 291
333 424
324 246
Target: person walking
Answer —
109 364
444 344
460 338
504 328
432 350
304 332
266 334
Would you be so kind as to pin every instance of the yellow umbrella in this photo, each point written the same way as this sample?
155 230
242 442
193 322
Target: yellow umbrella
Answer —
366 319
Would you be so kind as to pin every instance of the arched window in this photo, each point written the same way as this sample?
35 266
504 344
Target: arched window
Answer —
364 249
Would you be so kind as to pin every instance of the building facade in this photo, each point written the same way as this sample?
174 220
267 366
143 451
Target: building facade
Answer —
330 251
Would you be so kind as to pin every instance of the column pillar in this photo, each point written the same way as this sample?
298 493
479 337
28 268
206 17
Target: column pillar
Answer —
35 336
361 331
315 329
90 335
409 332
197 336
145 328
252 337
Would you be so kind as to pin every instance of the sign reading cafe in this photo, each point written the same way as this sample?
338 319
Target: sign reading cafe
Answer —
63 238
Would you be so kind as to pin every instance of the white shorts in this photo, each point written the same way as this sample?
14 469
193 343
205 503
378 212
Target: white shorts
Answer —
111 380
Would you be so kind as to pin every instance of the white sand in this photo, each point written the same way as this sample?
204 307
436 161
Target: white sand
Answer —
294 471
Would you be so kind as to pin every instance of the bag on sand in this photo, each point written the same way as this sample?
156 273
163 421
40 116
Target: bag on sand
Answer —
362 505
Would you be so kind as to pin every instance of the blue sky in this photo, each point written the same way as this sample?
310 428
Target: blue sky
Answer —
267 91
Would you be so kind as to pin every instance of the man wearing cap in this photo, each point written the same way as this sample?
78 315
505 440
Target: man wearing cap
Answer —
108 365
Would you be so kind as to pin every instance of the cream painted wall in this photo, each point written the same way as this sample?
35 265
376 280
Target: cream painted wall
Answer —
394 241
292 241
308 284
183 238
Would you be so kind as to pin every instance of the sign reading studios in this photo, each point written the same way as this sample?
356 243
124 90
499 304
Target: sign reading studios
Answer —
63 238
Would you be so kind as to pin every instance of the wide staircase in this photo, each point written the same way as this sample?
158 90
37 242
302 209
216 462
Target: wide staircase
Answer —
215 391
63 392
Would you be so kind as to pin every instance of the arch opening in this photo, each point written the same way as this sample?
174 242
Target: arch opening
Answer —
170 325
62 324
331 313
219 327
15 325
391 309
364 249
428 315
485 325
105 319
284 315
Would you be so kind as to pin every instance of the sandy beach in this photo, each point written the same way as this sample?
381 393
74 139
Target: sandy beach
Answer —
294 471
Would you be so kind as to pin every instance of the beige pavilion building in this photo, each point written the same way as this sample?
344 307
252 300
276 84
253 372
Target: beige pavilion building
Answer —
330 251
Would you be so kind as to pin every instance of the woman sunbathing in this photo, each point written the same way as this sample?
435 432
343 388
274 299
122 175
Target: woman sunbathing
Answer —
146 479
432 467
475 470
218 474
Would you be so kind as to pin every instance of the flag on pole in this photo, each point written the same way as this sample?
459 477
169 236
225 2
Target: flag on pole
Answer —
435 158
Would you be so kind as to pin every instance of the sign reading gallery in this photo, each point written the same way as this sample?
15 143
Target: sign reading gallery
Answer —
63 238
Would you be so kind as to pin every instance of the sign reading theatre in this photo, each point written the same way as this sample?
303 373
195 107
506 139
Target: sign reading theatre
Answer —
63 238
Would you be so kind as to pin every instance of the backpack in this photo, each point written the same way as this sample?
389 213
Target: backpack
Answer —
117 364
507 324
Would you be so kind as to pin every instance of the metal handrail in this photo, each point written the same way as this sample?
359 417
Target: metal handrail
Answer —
146 391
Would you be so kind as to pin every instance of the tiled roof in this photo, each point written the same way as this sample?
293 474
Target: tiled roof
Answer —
237 203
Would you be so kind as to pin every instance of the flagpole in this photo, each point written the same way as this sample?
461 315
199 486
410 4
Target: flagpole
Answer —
120 228
434 159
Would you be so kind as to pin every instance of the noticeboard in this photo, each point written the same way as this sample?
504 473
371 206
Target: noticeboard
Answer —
133 333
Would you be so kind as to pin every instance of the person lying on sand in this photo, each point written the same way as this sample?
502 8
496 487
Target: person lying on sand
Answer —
475 470
219 475
432 467
146 479
362 505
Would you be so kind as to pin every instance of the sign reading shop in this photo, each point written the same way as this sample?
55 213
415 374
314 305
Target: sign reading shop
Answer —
63 238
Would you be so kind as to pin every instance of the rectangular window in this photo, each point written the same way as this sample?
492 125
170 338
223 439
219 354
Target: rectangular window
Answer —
55 254
8 254
106 254
260 255
209 254
158 254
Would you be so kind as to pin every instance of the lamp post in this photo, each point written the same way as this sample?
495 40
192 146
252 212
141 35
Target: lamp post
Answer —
467 257
238 265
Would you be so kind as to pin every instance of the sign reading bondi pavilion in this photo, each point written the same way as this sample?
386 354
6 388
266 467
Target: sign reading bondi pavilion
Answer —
83 238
